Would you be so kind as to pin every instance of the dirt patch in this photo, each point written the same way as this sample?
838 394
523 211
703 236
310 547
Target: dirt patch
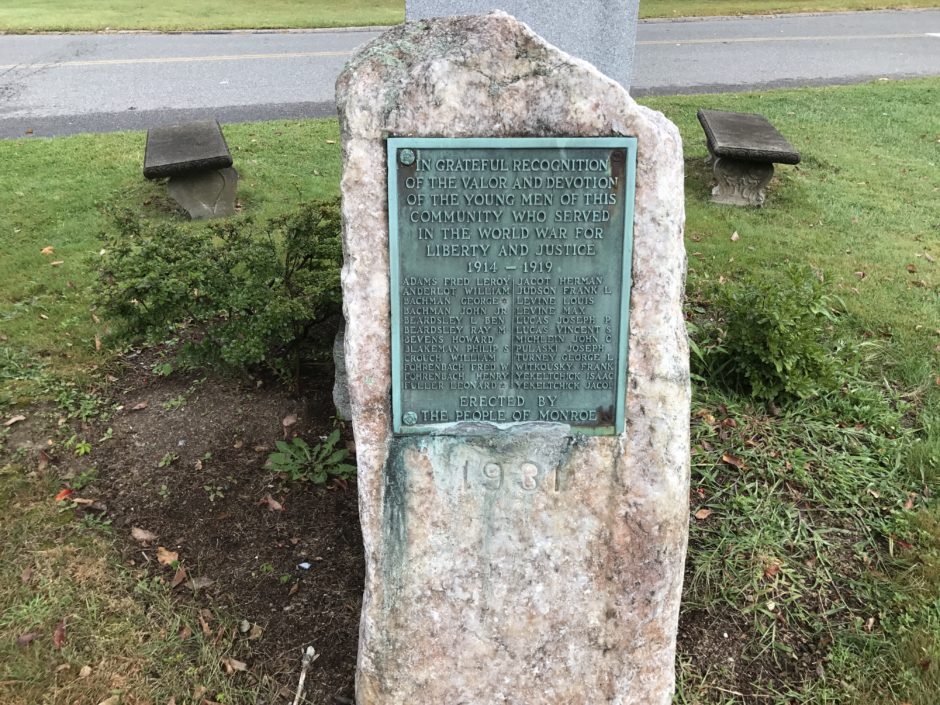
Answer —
185 460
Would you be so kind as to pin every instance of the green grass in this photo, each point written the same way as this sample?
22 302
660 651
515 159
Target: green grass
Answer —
822 550
175 15
823 547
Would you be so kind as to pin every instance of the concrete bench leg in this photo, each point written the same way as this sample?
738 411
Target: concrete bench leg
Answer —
205 194
739 183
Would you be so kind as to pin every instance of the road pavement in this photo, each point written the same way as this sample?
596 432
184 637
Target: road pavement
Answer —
54 84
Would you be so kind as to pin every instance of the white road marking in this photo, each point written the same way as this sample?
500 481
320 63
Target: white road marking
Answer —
177 59
315 54
818 38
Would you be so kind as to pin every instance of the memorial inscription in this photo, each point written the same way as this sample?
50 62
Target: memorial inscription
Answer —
510 280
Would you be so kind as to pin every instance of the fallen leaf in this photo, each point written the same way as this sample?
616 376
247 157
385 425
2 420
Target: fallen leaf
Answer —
185 633
238 444
729 423
860 275
874 493
911 268
179 577
26 575
771 569
43 461
289 420
26 639
293 589
14 419
271 503
166 557
929 257
44 316
255 632
142 535
113 700
97 342
47 250
139 406
735 237
64 494
869 624
204 625
199 583
734 460
232 665
331 141
84 672
909 504
58 635
199 692
703 513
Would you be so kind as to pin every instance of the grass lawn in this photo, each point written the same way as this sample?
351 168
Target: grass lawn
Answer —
174 15
815 538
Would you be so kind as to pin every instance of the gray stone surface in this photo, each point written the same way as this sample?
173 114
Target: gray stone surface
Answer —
739 183
205 194
181 149
745 137
340 378
519 564
603 33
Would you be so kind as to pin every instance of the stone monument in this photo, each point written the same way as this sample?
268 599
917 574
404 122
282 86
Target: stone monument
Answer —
518 371
602 32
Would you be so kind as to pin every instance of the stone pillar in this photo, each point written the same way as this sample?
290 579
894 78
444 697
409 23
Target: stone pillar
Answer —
602 32
514 563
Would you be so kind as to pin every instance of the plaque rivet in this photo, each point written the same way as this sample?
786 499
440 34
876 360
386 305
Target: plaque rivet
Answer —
406 157
617 156
411 417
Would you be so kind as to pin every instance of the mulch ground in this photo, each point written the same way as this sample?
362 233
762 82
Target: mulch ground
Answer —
186 462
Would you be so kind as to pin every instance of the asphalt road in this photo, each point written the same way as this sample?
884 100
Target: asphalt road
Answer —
58 84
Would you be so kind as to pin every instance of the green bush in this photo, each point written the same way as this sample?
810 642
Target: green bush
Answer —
250 295
769 337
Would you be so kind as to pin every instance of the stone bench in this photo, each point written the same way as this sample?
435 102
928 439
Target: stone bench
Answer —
742 151
197 162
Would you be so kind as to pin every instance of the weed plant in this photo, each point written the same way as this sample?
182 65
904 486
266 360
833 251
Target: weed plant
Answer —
299 461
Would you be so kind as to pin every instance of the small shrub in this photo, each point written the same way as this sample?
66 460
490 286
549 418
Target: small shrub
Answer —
250 294
299 461
769 339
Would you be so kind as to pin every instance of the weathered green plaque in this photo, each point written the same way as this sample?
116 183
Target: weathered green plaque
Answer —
510 280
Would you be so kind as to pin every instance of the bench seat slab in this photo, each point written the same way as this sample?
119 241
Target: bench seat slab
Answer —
181 149
745 137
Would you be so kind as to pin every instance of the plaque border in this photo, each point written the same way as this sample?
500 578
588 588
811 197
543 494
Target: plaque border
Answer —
395 143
